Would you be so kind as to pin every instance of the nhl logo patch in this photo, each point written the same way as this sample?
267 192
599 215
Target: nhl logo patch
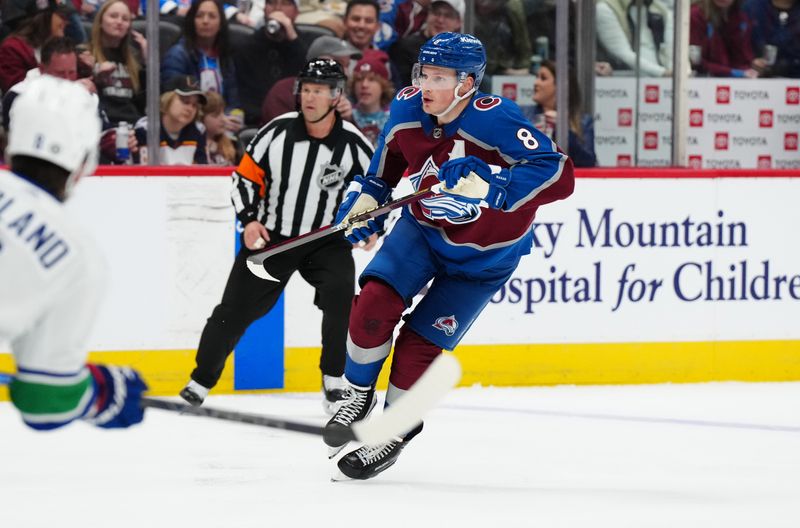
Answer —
330 177
437 133
447 324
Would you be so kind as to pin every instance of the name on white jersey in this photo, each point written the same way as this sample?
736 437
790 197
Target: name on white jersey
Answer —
48 247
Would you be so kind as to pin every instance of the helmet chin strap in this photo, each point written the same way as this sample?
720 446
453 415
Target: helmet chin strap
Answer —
456 99
323 115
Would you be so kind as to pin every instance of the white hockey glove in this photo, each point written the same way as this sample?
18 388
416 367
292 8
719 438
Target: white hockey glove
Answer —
472 180
363 194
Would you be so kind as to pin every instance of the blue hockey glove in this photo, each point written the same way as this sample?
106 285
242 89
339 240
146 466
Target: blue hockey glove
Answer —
363 194
472 180
118 394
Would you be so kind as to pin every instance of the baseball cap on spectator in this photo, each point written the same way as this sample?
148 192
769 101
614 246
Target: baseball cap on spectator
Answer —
186 85
332 47
373 63
458 5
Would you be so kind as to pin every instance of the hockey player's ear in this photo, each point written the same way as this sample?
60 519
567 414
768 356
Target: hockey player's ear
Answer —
467 85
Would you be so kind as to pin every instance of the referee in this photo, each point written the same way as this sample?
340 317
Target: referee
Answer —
291 181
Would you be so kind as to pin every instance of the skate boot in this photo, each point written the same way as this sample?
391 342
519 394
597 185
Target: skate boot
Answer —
333 393
194 393
358 403
369 461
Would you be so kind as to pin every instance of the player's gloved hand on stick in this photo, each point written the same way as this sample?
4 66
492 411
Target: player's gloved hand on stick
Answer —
472 180
363 194
118 395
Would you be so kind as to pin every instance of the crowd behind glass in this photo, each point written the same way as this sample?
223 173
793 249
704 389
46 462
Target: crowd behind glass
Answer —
227 69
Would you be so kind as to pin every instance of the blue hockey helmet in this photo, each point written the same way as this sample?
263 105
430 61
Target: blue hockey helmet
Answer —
459 51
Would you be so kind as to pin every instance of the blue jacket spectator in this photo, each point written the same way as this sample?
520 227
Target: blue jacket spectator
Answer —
203 52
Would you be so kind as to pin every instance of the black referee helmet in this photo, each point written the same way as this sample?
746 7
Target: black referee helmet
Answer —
322 71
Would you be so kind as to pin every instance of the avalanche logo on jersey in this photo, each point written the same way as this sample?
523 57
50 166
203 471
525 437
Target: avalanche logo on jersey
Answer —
486 103
407 93
443 207
448 325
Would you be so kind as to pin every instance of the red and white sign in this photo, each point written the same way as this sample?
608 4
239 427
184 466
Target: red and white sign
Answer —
624 160
790 141
696 161
792 95
651 93
721 141
723 94
651 140
765 161
509 91
752 120
696 117
625 117
765 118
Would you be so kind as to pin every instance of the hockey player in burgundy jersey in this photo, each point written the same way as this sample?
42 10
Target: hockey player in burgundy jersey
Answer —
496 169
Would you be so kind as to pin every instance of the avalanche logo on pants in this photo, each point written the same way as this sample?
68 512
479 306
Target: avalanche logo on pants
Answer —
448 325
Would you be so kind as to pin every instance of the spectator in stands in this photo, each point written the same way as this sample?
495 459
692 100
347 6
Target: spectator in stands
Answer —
59 60
776 35
616 22
268 56
86 8
443 15
543 114
181 141
203 52
361 22
19 51
723 32
373 92
281 97
221 148
322 13
119 72
501 26
250 13
411 17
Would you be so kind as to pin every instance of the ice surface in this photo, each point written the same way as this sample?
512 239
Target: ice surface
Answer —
704 455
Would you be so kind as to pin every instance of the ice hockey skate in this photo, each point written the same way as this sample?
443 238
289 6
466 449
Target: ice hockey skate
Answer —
370 461
194 393
358 403
333 393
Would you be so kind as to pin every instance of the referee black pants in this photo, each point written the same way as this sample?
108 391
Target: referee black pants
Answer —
326 264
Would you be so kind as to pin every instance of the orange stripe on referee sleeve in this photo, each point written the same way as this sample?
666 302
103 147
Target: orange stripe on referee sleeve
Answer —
249 169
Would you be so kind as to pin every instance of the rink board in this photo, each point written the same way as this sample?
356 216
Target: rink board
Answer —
708 291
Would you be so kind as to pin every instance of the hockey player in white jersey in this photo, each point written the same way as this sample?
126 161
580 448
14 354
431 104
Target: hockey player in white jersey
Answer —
52 278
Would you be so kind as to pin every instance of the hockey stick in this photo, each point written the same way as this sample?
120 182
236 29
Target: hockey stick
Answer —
441 376
255 262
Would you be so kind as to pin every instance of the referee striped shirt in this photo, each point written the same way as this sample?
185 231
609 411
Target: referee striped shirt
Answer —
293 183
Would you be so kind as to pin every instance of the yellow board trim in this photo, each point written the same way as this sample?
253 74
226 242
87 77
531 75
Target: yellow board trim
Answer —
166 371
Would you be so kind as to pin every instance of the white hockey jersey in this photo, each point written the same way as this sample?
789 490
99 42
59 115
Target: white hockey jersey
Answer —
52 279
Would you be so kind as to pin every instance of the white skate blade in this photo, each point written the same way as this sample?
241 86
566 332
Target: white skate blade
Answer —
259 271
398 419
333 451
338 476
